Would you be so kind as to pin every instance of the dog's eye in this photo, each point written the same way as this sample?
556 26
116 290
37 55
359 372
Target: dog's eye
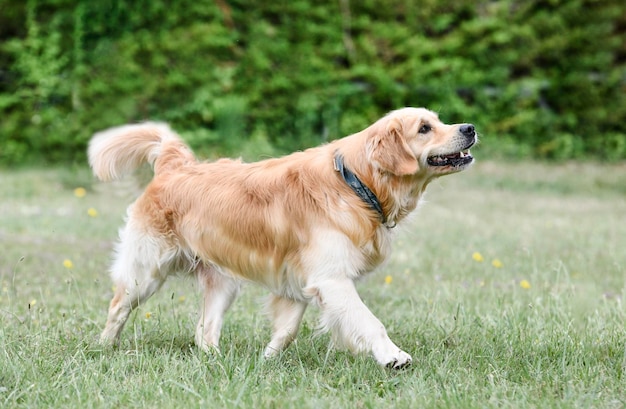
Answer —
425 128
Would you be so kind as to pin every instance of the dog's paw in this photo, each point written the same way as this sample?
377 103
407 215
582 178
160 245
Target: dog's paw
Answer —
106 341
396 359
209 349
270 352
401 362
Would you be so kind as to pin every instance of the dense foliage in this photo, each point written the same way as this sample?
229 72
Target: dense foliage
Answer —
539 77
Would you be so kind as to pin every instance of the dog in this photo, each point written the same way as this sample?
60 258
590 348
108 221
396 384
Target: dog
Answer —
306 226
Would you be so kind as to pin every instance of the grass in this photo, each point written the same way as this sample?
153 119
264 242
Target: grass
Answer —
508 289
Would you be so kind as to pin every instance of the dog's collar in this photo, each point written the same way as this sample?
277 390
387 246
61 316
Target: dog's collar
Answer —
361 190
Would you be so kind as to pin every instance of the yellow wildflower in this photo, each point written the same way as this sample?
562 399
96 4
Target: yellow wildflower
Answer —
92 212
67 263
525 284
496 263
477 257
148 315
80 192
388 279
32 302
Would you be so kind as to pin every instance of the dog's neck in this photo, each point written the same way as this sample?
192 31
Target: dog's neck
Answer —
361 190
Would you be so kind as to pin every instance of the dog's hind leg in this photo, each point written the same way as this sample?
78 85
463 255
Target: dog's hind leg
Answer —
219 292
286 315
124 301
137 275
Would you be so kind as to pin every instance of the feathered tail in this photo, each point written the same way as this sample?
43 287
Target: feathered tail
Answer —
118 151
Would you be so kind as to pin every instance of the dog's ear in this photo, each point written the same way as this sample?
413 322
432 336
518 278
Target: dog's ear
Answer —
389 150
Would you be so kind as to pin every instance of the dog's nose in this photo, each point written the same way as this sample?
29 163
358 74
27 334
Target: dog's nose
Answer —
468 130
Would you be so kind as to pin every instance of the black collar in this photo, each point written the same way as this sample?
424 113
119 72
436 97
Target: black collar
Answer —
360 189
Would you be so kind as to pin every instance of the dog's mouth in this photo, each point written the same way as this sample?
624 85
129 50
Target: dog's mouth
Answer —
454 160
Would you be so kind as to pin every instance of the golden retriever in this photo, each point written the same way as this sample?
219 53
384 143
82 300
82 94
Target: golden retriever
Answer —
305 226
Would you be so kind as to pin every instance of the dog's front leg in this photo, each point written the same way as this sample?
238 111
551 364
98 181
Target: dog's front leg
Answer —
352 324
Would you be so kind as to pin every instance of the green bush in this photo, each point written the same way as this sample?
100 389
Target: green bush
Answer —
538 78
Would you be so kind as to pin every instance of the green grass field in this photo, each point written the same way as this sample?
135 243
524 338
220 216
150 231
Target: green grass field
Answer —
508 289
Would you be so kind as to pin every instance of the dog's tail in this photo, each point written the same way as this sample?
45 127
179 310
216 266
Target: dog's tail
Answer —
117 151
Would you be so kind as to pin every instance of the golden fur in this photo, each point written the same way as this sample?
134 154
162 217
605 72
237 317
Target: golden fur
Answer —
291 224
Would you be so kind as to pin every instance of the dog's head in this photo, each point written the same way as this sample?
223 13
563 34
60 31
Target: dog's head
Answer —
412 141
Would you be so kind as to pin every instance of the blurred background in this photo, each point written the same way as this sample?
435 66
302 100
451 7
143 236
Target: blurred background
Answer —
539 78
